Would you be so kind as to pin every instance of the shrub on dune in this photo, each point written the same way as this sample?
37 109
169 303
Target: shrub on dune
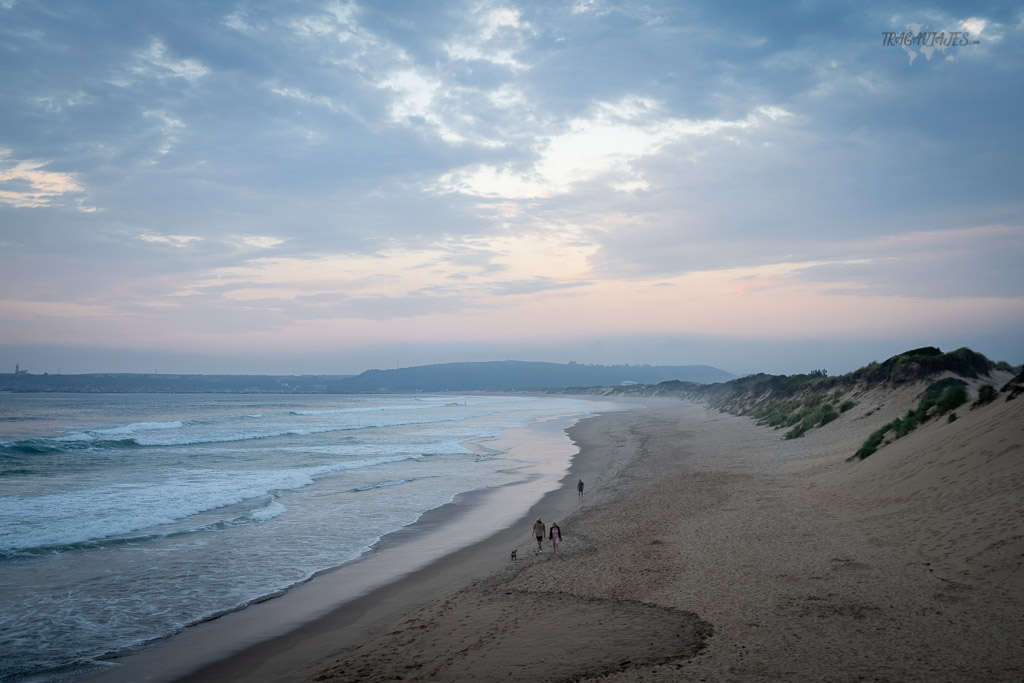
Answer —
986 394
952 397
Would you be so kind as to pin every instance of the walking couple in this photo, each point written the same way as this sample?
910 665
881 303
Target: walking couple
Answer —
554 534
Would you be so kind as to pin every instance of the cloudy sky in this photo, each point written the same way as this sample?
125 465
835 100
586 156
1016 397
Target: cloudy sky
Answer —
325 187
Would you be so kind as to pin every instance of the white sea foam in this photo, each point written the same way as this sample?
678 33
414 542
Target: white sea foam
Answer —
139 427
269 511
100 512
393 448
362 409
122 431
195 435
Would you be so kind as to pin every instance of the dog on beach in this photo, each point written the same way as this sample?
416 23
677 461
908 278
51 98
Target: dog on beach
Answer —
514 553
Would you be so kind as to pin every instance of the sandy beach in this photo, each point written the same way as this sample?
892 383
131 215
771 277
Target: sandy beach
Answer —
709 549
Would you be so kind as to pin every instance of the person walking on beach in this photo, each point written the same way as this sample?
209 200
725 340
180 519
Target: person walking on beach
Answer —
555 535
579 488
538 531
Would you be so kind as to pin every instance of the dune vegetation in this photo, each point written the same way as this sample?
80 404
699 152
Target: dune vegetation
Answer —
803 402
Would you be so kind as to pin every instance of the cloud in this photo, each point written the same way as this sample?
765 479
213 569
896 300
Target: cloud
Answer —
513 277
63 102
497 38
11 310
258 241
481 169
239 21
417 94
599 8
422 99
974 25
457 87
467 274
604 145
168 128
416 101
583 6
25 184
329 103
154 62
179 241
978 261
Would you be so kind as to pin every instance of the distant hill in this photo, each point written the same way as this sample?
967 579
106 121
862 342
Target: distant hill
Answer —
493 376
502 375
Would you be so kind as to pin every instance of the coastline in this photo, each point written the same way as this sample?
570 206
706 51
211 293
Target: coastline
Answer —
714 550
402 568
708 548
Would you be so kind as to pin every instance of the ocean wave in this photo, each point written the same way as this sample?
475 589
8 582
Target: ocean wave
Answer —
102 512
16 471
269 511
124 430
381 485
253 426
361 409
356 448
192 434
189 439
266 512
28 447
37 447
88 442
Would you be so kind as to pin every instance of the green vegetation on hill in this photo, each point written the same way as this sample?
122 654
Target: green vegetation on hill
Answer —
1015 387
815 409
799 403
785 401
986 394
919 364
940 398
802 402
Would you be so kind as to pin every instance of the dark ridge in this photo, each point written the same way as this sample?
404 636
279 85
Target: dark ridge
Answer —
521 375
485 376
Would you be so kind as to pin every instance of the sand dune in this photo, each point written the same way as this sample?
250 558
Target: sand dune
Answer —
948 495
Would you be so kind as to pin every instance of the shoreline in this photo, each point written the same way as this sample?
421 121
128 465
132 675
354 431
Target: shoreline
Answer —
715 550
709 548
364 589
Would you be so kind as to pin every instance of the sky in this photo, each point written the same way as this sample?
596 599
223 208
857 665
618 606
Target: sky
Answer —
325 187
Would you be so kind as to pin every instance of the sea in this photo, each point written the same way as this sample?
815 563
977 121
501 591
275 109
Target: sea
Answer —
127 518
